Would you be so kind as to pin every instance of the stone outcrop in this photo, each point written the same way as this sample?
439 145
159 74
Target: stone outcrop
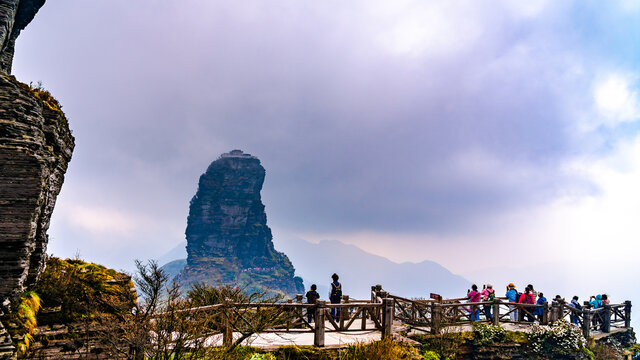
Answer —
15 15
228 240
35 148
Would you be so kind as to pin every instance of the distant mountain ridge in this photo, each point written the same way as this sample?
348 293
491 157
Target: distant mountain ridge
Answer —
358 270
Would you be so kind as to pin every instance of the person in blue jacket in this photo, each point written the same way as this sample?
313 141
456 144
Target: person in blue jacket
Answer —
539 311
512 296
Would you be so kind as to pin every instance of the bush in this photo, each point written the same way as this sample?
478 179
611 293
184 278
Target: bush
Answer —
257 356
430 355
23 323
560 340
386 349
81 289
484 334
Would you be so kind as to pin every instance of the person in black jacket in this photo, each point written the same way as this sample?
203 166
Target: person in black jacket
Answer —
312 295
335 296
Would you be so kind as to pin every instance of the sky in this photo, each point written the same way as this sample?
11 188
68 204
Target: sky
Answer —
500 139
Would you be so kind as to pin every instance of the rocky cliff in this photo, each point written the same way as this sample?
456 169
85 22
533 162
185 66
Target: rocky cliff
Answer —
228 240
35 148
15 15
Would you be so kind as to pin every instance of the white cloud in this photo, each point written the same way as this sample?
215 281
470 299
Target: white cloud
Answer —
417 28
526 9
101 220
616 100
630 5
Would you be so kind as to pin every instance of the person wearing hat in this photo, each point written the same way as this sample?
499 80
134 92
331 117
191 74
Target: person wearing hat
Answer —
512 296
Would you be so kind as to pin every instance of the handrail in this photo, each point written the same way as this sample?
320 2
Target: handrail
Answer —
378 314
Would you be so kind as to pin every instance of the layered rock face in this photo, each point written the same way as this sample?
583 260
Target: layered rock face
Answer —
35 148
228 240
15 15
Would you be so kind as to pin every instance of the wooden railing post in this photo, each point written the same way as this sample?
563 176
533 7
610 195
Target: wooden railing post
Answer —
382 295
627 314
363 315
545 313
606 319
520 311
496 311
554 312
436 317
318 335
227 327
586 322
299 311
345 314
387 318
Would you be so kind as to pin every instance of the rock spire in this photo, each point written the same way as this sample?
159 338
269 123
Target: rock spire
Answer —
228 240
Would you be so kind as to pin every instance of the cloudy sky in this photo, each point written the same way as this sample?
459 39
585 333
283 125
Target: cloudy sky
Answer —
474 134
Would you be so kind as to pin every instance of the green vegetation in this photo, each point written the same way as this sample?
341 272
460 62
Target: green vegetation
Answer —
485 334
162 324
45 96
387 349
23 322
77 289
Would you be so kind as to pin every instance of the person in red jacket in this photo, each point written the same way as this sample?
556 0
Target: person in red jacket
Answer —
527 298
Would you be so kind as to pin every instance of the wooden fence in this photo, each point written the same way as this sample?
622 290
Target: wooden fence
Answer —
378 314
434 315
292 317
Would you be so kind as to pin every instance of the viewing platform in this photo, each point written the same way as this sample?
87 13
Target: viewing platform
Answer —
385 315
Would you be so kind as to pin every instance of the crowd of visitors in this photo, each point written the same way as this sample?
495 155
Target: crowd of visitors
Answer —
487 295
529 296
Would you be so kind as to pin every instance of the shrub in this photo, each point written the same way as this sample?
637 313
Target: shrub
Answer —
430 355
83 289
560 340
23 322
386 349
488 334
257 356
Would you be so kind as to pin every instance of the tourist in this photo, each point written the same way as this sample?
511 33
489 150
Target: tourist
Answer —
576 305
312 296
539 311
335 296
488 294
474 296
595 301
512 296
527 298
605 299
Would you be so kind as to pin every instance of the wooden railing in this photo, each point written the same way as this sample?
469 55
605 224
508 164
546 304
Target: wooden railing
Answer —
434 315
429 315
354 315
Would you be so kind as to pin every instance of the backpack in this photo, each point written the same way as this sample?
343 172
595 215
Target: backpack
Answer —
528 299
312 297
492 295
518 294
336 290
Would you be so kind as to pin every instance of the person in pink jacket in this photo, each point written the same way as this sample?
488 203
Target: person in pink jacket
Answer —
474 296
488 294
